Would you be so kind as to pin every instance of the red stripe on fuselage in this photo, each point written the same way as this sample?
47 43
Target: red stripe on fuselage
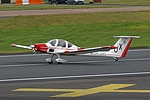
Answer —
41 47
80 50
66 51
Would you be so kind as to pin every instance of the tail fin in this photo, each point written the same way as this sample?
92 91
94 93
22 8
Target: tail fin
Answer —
122 45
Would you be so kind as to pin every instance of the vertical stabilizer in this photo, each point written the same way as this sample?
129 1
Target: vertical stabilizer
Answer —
122 45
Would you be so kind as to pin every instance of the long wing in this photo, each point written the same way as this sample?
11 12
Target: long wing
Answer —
88 50
80 50
21 46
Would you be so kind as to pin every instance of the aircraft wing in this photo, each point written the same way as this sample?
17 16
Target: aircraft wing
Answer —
88 50
21 46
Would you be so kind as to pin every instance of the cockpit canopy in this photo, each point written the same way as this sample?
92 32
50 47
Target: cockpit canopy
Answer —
60 43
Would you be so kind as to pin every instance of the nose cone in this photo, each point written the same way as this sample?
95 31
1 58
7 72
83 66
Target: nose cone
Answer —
42 47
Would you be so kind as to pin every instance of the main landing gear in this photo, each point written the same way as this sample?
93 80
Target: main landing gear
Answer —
58 60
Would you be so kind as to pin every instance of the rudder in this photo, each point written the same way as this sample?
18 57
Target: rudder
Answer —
122 45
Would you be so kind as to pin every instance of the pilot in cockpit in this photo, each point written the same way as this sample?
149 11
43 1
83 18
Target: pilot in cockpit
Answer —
61 43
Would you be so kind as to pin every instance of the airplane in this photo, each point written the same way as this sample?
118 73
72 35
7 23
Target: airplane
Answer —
62 47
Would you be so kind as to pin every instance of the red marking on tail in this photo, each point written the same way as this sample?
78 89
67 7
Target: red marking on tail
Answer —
126 49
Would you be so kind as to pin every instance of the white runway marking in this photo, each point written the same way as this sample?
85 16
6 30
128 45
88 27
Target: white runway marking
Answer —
2 66
139 59
138 50
120 60
70 77
101 61
91 61
23 55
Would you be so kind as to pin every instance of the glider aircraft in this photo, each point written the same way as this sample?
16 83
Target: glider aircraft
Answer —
62 47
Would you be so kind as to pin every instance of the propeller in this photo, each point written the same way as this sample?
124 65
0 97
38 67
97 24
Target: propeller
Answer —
32 46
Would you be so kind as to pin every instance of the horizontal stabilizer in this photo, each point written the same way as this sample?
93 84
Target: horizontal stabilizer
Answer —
127 36
122 45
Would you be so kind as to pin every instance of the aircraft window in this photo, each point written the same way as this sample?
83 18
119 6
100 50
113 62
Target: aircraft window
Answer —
69 45
61 43
53 42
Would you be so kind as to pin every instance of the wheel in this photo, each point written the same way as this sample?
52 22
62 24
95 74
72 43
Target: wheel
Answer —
116 59
74 3
50 62
59 62
50 2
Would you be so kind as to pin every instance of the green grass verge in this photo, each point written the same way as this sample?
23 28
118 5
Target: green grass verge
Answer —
85 30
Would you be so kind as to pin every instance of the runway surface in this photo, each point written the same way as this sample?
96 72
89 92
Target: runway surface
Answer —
28 76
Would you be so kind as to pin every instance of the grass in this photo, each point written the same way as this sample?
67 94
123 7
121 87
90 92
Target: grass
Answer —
85 30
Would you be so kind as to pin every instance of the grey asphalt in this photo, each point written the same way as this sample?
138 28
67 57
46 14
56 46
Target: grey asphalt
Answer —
20 71
36 66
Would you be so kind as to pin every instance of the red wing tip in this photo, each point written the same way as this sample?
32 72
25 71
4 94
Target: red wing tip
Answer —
13 45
